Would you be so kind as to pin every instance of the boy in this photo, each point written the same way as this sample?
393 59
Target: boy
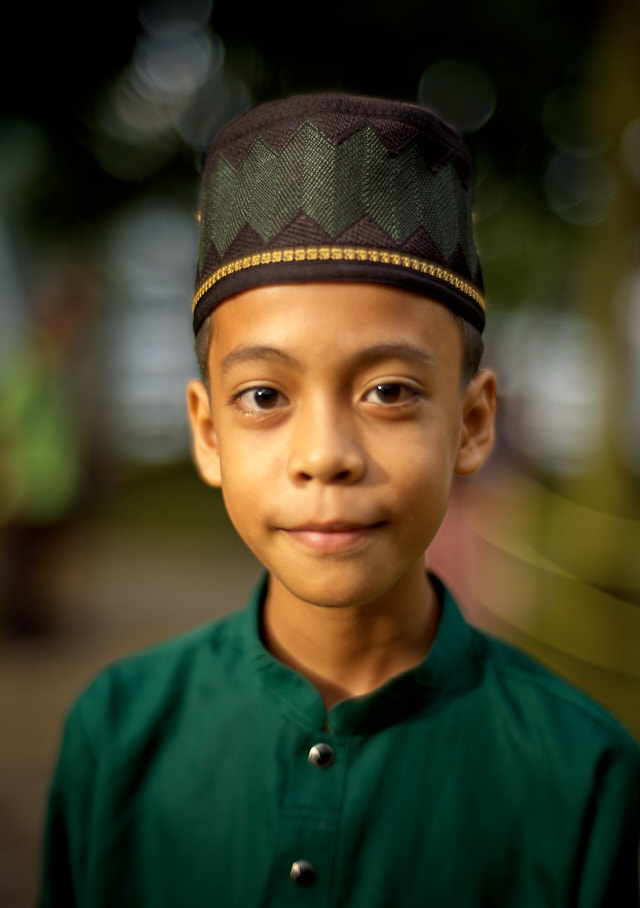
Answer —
347 739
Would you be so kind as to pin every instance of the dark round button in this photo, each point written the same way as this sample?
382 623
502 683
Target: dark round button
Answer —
321 755
303 873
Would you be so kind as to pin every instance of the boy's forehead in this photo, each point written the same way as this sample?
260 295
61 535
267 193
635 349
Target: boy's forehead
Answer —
337 188
346 319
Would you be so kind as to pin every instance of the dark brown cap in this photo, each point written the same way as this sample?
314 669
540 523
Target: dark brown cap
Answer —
333 187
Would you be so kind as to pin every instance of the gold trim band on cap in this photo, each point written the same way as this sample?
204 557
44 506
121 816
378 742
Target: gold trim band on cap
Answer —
338 254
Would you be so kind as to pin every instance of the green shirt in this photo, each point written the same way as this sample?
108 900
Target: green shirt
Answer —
476 779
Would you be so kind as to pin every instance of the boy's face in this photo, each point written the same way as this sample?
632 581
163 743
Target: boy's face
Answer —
335 425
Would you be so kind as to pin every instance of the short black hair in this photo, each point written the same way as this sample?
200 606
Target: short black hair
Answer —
203 342
472 349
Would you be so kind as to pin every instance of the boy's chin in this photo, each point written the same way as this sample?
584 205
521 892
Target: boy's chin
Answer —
335 589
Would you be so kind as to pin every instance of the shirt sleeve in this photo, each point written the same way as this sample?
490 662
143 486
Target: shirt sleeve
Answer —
611 873
67 829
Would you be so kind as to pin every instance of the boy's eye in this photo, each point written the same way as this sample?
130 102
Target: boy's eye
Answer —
258 399
390 393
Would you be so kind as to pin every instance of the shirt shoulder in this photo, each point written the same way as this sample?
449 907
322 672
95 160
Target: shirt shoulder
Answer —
143 691
541 698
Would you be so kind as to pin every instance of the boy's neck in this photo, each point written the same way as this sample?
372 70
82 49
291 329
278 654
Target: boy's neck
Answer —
349 651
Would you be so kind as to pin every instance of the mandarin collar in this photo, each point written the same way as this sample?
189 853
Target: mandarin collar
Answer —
449 666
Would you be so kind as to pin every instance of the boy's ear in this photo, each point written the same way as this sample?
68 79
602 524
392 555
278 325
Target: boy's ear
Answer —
478 423
204 441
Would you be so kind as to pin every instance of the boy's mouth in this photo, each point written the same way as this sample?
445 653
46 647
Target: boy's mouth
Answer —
336 536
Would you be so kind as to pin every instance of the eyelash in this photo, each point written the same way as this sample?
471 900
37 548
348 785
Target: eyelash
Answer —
238 398
406 392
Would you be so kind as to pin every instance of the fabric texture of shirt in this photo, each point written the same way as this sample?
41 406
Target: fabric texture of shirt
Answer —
475 779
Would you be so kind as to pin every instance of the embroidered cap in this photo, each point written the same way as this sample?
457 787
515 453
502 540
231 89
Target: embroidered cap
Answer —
334 187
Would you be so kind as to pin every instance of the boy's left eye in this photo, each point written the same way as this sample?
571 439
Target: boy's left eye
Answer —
390 393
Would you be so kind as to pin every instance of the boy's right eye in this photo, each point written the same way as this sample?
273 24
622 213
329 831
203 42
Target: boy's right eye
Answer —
260 399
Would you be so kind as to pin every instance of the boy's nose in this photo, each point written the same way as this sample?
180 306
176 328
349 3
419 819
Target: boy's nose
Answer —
325 447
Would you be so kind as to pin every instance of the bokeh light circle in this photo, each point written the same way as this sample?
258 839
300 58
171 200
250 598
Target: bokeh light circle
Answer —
459 92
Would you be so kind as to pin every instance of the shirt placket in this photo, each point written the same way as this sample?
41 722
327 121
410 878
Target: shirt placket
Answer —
309 819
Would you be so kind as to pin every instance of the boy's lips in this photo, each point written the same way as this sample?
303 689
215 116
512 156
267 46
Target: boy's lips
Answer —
335 536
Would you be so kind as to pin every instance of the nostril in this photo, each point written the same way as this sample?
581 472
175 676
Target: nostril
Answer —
337 477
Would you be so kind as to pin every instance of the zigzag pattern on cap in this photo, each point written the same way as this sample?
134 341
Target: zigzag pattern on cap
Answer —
339 116
410 194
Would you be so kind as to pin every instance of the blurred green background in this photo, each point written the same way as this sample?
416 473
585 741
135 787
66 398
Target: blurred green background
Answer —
108 541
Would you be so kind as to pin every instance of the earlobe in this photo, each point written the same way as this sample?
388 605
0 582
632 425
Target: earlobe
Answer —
204 441
478 423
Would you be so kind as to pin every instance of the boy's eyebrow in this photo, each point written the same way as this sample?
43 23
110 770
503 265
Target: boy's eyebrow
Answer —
413 354
258 352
